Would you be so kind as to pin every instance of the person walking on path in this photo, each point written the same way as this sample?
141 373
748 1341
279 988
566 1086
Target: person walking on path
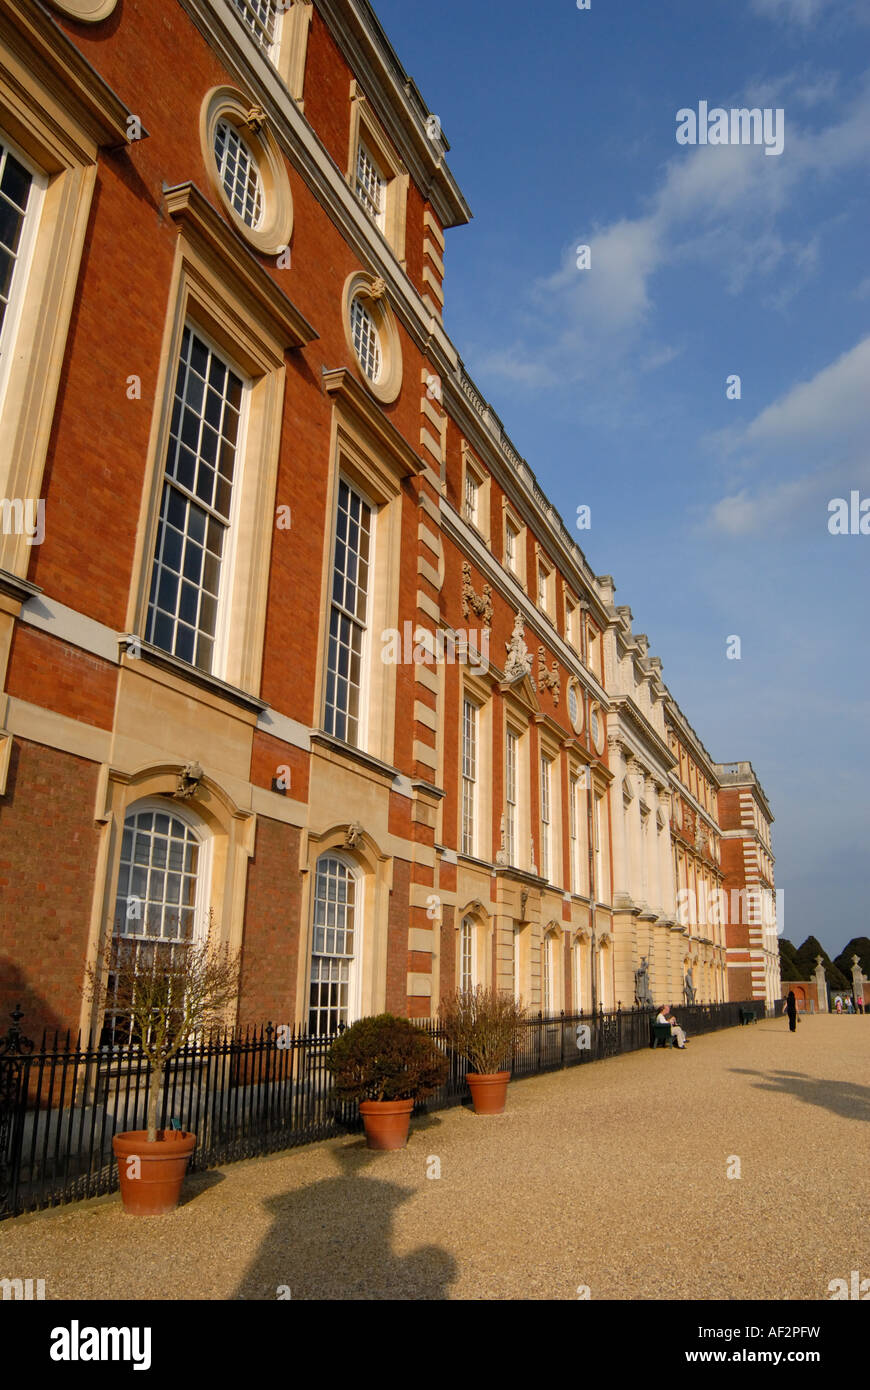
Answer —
791 1010
839 1005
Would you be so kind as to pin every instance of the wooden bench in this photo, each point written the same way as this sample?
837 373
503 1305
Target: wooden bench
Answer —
660 1034
748 1016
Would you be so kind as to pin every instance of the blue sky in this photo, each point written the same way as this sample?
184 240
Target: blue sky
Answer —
711 514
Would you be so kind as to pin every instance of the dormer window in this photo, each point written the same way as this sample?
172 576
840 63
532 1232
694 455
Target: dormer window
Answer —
475 494
261 18
471 497
510 547
546 586
513 542
371 186
279 29
376 173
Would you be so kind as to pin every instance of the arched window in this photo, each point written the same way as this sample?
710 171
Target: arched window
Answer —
577 978
547 974
603 977
467 944
158 876
160 899
334 947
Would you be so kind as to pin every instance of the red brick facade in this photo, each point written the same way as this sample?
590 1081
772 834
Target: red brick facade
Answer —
417 808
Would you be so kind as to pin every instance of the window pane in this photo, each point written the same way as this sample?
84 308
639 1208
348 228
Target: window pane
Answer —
348 618
238 173
15 185
332 959
366 340
370 186
177 619
260 18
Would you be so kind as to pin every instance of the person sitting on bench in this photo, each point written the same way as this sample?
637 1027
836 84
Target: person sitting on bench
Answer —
665 1016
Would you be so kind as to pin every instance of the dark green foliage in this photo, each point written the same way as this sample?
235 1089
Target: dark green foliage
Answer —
859 946
788 966
806 962
385 1058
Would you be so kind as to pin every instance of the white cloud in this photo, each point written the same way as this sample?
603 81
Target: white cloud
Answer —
820 426
832 409
805 13
613 293
800 11
717 206
659 357
745 513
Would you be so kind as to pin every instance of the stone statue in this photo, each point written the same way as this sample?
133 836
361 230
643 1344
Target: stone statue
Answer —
689 986
519 660
641 984
857 981
187 782
501 857
821 985
353 834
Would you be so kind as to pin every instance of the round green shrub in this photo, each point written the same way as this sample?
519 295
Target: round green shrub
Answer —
385 1058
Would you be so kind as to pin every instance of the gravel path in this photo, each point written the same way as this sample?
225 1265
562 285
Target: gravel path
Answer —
611 1176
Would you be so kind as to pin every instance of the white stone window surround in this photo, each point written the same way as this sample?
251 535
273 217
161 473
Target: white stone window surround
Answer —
215 632
12 303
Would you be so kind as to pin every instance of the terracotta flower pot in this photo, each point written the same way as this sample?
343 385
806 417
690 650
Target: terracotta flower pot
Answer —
488 1091
386 1122
152 1186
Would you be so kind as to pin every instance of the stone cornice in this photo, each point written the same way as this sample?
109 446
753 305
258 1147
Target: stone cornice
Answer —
28 29
251 69
397 102
476 419
726 778
342 385
472 415
624 707
707 816
696 747
166 661
335 749
18 588
205 227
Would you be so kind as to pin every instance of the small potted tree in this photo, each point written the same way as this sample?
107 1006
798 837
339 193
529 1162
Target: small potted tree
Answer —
482 1025
385 1063
168 994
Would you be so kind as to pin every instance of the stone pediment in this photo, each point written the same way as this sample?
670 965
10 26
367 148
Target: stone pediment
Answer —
524 691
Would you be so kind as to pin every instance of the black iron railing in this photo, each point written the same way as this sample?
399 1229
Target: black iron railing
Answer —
244 1094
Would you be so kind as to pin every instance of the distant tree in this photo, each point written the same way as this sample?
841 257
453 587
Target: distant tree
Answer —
806 963
859 946
788 966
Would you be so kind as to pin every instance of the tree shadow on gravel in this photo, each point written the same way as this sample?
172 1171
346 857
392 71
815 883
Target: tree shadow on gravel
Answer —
197 1183
334 1240
843 1098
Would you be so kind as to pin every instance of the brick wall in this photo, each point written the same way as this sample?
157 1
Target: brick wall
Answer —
48 852
270 960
